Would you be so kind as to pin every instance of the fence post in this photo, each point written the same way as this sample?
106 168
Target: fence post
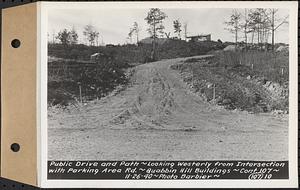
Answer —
214 91
192 76
80 92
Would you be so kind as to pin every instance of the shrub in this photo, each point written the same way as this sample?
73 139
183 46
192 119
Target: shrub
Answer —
135 54
95 79
269 65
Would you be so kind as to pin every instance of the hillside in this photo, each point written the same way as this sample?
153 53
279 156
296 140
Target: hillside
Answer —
74 77
252 81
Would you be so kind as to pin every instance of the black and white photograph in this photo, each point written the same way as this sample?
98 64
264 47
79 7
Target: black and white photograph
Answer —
168 83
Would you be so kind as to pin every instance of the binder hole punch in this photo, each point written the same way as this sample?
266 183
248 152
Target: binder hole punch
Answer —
15 147
15 43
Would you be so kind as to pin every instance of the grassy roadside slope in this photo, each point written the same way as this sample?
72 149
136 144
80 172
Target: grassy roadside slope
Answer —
251 81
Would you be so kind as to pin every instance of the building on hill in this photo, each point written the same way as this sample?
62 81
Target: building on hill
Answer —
149 40
199 38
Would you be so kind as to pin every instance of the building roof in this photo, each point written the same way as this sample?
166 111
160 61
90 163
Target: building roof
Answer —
149 40
199 36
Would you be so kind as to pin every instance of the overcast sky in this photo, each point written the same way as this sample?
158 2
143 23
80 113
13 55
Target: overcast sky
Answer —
114 24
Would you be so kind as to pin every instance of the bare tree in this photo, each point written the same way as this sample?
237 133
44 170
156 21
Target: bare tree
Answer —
53 37
185 25
136 30
177 28
265 25
185 30
73 36
64 37
155 18
91 34
167 34
131 30
234 25
259 23
276 23
245 28
253 24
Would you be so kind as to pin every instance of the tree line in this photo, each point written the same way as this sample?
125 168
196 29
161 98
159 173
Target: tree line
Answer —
256 25
154 19
70 37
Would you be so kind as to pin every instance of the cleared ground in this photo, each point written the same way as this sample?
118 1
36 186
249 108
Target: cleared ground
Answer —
157 117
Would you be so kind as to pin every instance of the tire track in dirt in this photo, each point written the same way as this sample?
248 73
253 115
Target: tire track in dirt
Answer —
158 117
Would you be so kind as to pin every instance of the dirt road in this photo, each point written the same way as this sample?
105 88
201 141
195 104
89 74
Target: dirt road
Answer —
157 118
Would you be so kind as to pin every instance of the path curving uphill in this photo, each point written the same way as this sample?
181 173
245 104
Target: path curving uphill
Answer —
157 117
